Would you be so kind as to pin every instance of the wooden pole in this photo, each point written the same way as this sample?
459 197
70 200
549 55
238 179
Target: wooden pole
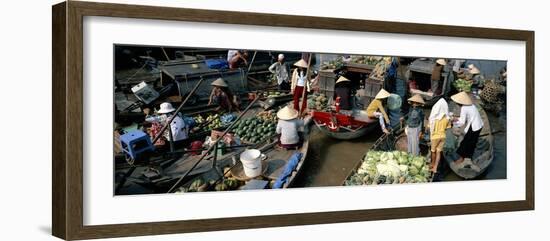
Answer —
305 85
178 183
165 54
252 61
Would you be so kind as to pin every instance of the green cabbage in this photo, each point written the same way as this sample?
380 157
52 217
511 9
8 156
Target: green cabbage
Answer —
418 162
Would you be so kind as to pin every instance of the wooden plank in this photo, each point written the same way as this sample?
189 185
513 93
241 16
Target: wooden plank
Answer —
59 126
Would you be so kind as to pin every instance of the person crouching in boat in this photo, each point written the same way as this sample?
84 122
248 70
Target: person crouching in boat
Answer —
415 124
376 110
470 117
178 127
300 85
222 96
439 122
342 90
288 127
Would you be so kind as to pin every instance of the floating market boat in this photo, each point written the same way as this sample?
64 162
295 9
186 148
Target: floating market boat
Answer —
342 125
483 154
165 173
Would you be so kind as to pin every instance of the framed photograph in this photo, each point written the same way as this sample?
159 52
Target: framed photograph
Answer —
171 120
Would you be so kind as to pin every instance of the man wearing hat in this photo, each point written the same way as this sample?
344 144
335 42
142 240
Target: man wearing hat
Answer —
342 90
222 96
280 70
436 75
415 124
300 84
178 126
288 128
376 110
471 119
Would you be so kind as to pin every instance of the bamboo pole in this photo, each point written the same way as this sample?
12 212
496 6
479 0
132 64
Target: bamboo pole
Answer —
300 105
165 54
177 110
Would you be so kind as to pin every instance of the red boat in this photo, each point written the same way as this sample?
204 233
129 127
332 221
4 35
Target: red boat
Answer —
343 125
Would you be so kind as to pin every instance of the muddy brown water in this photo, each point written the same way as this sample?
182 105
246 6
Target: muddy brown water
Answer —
330 161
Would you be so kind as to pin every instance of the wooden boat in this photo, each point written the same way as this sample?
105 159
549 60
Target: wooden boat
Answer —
164 174
273 165
421 70
277 159
483 155
342 125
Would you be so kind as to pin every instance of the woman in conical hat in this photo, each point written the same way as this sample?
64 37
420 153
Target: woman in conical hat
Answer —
288 127
342 92
439 122
376 110
222 96
471 119
414 124
300 85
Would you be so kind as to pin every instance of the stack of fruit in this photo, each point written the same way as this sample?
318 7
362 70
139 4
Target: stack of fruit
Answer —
317 101
256 129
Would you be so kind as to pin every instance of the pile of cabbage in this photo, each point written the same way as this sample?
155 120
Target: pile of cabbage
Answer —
393 167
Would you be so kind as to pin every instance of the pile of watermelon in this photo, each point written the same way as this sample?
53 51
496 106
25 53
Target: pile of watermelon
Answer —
255 129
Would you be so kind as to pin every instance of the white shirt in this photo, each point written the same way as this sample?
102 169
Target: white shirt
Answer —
469 115
178 126
301 78
231 53
289 130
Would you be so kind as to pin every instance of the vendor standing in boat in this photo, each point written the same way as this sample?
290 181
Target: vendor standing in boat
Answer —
342 92
470 117
300 85
415 124
221 95
280 70
376 110
436 76
178 127
288 128
439 122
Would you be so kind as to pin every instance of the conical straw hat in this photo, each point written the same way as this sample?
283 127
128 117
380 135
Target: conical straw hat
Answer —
417 98
287 113
462 98
219 82
342 79
474 70
382 94
301 63
441 61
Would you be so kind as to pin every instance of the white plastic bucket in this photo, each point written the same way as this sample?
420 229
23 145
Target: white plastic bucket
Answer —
252 162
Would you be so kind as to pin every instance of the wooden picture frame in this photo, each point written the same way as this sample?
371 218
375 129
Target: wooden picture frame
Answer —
67 123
